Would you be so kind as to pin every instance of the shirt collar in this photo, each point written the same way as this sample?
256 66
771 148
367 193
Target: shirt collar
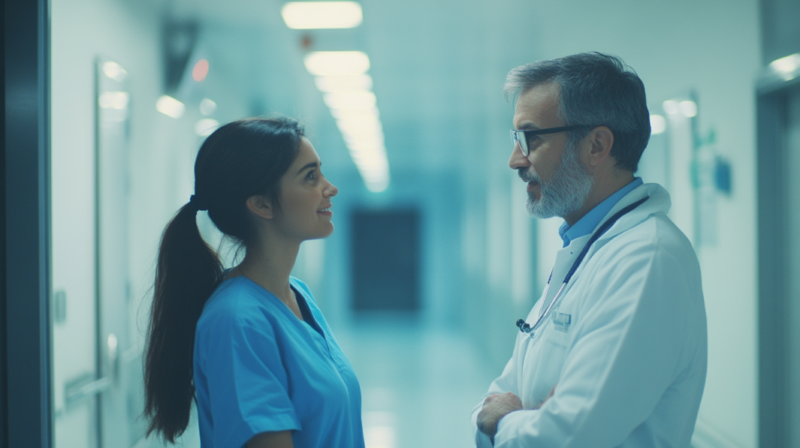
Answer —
587 224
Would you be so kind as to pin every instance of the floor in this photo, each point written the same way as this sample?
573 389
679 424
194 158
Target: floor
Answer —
419 382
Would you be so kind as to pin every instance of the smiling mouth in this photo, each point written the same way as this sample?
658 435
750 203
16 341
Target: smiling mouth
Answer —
324 210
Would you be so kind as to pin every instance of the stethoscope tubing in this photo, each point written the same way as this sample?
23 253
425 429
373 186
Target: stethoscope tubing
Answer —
531 330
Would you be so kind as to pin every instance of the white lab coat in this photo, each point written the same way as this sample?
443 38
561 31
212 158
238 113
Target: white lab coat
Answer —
625 345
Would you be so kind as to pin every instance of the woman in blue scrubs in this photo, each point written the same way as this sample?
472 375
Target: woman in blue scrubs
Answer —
249 344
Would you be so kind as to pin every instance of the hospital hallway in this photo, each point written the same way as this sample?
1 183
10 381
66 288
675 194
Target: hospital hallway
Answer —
419 382
433 256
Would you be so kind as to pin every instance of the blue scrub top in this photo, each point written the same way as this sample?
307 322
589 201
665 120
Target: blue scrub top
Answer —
258 368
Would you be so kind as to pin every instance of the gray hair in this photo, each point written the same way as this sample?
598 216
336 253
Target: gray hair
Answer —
596 90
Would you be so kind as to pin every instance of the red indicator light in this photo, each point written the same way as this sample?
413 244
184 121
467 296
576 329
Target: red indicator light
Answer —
200 70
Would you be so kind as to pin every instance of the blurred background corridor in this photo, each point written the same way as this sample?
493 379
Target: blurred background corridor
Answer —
433 258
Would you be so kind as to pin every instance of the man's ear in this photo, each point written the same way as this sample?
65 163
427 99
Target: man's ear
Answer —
602 140
261 206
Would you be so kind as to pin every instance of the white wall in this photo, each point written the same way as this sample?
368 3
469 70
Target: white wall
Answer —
83 30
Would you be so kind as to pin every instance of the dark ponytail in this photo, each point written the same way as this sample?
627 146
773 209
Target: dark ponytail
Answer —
239 160
188 270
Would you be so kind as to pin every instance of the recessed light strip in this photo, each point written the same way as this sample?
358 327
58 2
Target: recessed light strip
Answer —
320 15
347 91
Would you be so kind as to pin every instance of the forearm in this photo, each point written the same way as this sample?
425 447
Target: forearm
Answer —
280 439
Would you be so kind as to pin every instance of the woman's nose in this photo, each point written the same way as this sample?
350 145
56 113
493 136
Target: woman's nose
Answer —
331 190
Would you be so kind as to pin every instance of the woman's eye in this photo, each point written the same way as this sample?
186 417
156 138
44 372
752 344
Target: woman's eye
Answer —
311 175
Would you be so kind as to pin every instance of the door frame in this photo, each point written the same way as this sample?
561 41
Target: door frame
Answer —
773 301
25 358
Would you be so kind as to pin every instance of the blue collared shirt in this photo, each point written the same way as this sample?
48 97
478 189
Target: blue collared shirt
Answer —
587 224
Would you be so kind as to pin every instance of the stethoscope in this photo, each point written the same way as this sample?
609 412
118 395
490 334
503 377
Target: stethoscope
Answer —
531 330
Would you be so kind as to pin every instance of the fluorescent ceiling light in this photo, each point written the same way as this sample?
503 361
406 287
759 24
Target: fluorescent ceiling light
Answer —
372 172
356 100
114 71
170 107
207 106
205 127
671 107
337 63
366 144
688 108
330 84
364 141
786 65
355 126
348 115
657 124
114 100
369 156
354 131
316 15
376 176
376 185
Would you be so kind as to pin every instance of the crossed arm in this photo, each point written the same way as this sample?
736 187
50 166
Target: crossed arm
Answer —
497 406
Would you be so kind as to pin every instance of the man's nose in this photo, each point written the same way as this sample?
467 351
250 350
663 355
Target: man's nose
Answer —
518 160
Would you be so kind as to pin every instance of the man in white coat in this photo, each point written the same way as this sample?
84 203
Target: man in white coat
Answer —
614 352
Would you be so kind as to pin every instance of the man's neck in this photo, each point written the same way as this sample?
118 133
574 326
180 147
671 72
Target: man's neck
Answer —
601 190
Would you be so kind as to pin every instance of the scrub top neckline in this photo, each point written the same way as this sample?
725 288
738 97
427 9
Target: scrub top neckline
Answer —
305 310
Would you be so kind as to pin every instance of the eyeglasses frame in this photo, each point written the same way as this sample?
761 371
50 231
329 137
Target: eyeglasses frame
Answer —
523 144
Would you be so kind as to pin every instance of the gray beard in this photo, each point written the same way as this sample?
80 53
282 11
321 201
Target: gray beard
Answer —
565 192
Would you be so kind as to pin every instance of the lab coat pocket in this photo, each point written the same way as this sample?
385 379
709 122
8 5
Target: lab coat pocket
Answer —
559 329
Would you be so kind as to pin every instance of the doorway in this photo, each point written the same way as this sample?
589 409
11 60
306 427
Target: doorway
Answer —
779 267
385 260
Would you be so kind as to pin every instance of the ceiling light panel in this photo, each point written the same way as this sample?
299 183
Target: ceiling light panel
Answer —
337 63
658 124
169 106
354 101
333 84
786 64
319 15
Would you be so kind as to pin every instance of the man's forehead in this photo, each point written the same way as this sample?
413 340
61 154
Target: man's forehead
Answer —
537 106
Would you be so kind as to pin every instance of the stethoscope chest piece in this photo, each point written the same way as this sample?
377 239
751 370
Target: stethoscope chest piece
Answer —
525 328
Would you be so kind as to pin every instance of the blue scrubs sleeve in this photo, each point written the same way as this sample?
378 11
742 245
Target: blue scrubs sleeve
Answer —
248 388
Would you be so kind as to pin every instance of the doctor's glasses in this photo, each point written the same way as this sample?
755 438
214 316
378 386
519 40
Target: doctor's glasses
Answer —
521 136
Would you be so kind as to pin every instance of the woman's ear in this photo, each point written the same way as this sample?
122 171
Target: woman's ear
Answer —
261 206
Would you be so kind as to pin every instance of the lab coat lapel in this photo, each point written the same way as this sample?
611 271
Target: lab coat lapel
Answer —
564 260
658 201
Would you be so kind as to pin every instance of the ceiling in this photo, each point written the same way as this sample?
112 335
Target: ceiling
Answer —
437 68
